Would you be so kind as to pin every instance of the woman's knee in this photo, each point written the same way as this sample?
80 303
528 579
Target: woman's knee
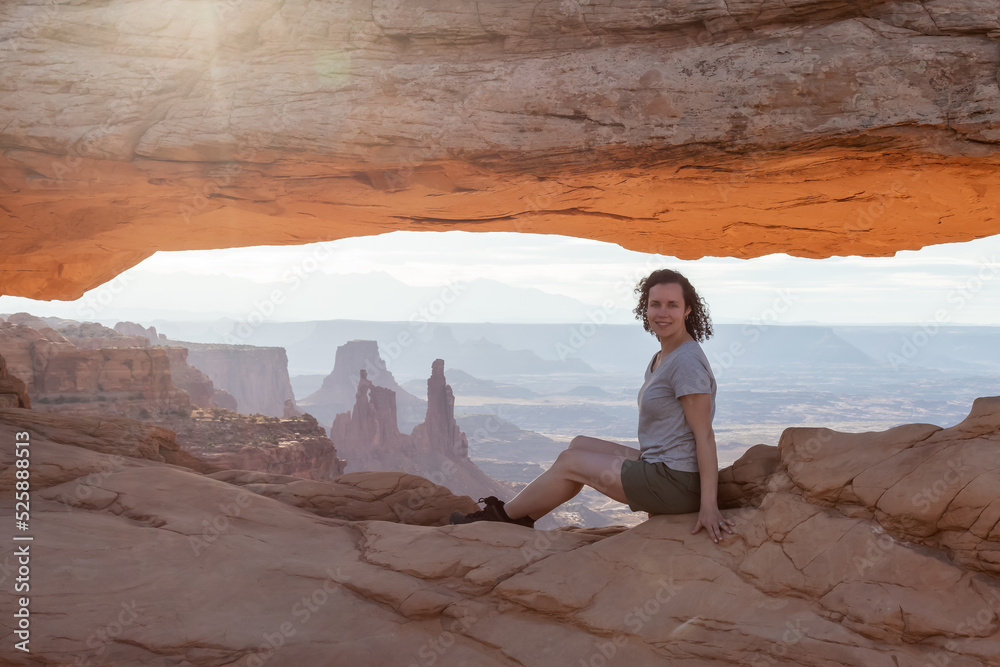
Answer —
566 457
585 465
579 442
573 462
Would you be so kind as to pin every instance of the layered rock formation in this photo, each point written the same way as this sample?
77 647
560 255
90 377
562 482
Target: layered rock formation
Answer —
91 369
340 388
29 320
149 333
257 377
815 128
13 393
368 439
57 371
94 336
199 386
821 574
232 441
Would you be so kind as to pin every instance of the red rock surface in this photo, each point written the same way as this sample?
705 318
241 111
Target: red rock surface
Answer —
232 441
87 368
58 372
814 128
113 436
270 569
358 496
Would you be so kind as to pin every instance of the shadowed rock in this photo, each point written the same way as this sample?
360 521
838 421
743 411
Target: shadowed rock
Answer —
13 393
690 129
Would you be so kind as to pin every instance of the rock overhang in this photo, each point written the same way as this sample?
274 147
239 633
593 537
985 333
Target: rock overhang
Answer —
711 130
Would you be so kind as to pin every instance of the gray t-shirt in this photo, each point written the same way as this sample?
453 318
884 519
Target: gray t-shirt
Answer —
664 433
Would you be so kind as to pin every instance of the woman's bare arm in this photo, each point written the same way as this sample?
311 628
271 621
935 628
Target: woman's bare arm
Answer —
698 412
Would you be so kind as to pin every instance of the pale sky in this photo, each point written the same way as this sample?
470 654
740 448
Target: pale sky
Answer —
547 278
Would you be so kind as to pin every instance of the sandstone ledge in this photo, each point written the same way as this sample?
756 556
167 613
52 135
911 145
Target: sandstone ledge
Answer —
713 128
811 577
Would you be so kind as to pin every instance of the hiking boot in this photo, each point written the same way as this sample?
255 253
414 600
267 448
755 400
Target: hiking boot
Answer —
493 511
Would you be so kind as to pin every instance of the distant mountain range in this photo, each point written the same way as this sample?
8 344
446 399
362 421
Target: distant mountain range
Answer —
465 385
492 351
319 296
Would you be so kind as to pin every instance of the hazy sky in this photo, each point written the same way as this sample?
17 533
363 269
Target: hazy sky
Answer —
548 278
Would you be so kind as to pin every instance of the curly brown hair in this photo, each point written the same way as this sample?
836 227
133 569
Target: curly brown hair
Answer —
698 323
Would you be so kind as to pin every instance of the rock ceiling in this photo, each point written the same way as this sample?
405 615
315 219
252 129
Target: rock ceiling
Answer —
814 128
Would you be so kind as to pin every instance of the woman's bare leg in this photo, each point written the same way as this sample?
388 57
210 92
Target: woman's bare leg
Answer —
588 461
590 444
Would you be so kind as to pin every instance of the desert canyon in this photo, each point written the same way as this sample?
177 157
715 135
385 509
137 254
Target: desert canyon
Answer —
706 128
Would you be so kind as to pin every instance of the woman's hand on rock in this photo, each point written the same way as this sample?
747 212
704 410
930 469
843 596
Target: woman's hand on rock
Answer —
711 519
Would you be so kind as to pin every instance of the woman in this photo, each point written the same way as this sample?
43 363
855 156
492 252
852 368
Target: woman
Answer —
675 470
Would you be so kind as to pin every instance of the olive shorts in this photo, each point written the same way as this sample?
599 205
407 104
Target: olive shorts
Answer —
657 489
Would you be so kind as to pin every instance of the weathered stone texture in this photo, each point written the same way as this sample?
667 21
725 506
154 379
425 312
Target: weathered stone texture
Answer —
807 579
738 128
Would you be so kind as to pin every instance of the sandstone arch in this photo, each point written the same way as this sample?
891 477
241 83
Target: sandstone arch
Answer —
711 128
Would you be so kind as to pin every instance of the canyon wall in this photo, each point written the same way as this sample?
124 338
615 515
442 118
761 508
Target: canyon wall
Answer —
89 368
199 386
218 437
815 128
231 441
256 377
55 370
13 393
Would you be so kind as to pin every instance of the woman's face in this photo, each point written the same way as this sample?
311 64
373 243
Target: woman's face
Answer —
665 310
